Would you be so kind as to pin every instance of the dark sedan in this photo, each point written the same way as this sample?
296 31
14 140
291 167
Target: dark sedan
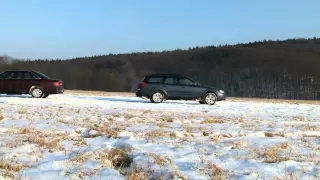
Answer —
34 83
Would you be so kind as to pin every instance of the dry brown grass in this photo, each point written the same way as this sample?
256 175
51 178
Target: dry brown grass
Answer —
11 167
287 176
1 117
170 120
161 125
299 118
80 158
177 175
110 133
26 130
239 144
213 120
107 129
273 154
47 143
173 134
160 161
119 158
188 128
137 176
215 172
273 134
155 133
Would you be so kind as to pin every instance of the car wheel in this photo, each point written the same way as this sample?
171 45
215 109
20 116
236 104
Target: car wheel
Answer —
157 97
37 92
210 98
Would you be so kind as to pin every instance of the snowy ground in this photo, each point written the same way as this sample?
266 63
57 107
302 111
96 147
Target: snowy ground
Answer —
95 137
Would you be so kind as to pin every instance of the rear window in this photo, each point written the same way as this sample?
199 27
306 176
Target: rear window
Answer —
4 75
156 80
42 75
7 75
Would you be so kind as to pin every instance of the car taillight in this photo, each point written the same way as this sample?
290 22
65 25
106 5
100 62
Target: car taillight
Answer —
142 84
57 83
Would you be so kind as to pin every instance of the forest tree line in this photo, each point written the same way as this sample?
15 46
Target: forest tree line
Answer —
287 69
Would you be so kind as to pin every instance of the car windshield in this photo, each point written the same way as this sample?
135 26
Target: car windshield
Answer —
194 81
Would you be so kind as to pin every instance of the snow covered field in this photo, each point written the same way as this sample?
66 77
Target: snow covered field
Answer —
95 137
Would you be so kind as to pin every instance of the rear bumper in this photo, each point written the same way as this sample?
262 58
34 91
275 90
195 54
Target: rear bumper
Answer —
138 93
60 90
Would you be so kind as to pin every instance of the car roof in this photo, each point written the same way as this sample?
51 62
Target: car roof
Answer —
166 75
26 70
18 70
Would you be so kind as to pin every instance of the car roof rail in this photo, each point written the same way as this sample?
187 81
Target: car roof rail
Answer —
165 74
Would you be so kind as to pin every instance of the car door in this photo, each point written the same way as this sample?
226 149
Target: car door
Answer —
172 87
6 82
189 89
16 82
4 85
29 79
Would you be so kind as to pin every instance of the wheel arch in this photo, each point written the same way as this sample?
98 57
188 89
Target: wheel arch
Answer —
209 91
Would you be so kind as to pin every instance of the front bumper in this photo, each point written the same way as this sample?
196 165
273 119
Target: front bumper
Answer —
221 96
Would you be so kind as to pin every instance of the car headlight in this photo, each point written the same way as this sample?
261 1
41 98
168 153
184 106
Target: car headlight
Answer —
221 91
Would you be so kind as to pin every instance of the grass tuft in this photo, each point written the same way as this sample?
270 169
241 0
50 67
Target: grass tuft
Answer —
273 134
10 167
160 161
119 158
155 133
137 176
1 117
215 172
273 154
214 120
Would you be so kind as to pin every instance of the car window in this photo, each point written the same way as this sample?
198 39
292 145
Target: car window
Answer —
27 75
4 75
156 80
185 81
30 75
171 80
17 75
34 75
43 76
10 75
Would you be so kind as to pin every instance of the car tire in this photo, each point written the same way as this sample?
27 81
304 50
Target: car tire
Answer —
36 92
45 95
202 102
210 98
157 97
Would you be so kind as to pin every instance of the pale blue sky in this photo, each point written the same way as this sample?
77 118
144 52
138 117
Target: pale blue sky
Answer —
73 28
